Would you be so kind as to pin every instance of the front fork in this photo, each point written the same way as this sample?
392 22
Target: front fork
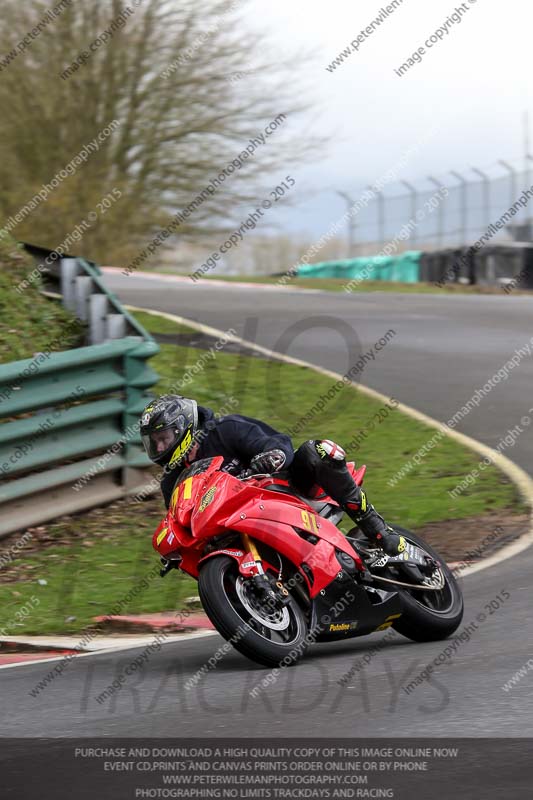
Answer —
249 547
261 581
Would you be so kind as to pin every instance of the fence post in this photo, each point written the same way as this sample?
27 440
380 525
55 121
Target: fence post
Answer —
440 231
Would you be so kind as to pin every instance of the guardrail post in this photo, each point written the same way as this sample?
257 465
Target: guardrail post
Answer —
70 269
116 326
83 293
98 308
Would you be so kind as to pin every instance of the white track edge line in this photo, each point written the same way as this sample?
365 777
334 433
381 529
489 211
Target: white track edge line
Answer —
114 649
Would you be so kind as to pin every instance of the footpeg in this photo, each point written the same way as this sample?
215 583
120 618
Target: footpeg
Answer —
168 565
381 561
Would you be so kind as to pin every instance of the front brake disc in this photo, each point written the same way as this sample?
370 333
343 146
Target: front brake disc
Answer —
277 619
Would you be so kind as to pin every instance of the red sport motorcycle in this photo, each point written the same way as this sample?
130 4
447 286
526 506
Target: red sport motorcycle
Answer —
275 573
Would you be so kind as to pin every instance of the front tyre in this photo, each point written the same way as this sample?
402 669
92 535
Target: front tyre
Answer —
269 635
429 616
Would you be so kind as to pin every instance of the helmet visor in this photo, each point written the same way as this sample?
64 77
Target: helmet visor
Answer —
158 443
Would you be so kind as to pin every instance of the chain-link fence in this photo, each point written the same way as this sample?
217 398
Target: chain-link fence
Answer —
432 217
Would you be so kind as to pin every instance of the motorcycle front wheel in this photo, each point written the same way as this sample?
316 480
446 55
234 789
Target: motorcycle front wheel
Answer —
270 634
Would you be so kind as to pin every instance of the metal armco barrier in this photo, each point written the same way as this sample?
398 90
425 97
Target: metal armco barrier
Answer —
69 437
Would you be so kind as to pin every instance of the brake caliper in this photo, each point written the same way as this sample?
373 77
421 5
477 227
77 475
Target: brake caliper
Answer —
266 593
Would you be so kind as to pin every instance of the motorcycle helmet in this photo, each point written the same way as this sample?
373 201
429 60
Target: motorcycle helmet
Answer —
168 428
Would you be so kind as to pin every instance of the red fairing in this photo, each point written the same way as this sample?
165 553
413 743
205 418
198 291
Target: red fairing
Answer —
357 474
210 503
271 519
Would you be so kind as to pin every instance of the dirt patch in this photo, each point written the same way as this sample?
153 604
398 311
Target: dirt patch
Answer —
103 523
203 341
474 538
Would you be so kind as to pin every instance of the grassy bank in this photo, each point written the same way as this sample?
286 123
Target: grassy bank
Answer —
29 322
90 562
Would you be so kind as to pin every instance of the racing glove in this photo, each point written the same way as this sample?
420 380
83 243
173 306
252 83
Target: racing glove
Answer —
268 462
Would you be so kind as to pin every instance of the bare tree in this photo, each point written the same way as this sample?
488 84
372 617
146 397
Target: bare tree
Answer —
162 73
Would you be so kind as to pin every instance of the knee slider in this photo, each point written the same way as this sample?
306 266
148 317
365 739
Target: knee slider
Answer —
328 449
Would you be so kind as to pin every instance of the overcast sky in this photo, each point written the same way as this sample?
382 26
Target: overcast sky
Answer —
469 92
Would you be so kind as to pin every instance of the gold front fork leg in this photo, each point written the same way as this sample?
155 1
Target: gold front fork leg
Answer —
250 547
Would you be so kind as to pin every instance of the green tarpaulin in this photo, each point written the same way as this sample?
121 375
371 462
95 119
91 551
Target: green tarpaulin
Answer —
404 268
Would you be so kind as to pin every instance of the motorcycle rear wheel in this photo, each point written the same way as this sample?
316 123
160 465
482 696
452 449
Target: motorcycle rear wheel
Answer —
430 616
272 637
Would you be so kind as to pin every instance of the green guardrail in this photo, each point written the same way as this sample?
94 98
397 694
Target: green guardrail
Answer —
69 421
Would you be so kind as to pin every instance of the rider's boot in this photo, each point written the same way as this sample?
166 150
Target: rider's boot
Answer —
372 524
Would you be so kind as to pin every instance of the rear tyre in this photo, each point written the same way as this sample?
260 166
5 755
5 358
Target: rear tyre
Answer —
430 616
267 635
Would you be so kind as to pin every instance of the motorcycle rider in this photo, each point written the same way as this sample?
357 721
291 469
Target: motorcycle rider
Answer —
176 431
